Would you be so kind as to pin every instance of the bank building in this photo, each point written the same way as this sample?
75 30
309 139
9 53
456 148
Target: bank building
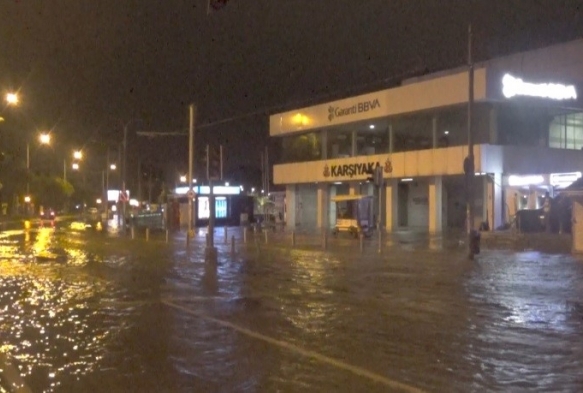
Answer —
527 131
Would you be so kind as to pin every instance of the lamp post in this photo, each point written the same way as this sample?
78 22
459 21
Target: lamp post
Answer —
124 167
44 139
105 184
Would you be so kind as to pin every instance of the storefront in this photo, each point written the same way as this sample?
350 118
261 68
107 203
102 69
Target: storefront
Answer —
229 205
527 129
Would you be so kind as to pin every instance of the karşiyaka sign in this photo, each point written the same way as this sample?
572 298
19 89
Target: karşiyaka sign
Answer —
352 170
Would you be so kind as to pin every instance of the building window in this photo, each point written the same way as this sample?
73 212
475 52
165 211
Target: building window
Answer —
300 148
566 131
412 132
371 141
339 144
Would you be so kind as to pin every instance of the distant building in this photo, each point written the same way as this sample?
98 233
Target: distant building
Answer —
527 128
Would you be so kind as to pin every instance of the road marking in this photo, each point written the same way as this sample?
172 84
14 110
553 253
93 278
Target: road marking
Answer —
294 348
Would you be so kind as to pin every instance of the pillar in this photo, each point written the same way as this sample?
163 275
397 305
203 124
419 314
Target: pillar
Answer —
391 205
493 206
435 204
493 125
322 202
353 188
290 206
434 131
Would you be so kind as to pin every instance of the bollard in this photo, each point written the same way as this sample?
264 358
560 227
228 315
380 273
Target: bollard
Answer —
380 241
361 242
233 245
133 233
324 239
265 232
293 238
147 234
225 234
166 235
245 235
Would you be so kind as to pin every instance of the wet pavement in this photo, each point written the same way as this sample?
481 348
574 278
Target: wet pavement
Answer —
87 311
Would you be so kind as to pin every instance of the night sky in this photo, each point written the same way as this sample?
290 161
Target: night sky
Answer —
85 67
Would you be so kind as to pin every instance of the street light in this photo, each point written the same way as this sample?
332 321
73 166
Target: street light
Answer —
12 98
78 154
105 185
44 139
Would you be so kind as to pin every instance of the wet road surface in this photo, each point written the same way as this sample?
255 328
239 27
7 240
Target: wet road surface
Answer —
105 314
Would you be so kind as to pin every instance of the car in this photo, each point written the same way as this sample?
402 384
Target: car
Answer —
47 215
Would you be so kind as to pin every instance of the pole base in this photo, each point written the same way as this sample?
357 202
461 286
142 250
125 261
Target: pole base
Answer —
210 254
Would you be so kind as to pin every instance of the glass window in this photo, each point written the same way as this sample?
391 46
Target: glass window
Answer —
339 143
299 148
412 133
372 141
566 131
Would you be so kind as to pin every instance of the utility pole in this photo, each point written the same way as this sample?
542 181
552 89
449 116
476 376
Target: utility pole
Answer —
124 165
469 164
192 112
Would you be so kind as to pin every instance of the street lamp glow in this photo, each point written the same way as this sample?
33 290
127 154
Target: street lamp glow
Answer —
98 201
27 199
113 167
183 178
45 139
75 166
78 154
12 98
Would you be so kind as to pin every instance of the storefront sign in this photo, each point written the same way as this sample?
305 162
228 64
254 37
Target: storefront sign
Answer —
512 87
359 169
359 107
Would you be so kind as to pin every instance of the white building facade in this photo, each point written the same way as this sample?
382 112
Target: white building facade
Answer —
527 131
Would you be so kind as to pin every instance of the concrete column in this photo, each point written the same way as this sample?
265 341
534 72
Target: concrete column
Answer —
290 206
434 131
324 135
391 205
577 228
493 206
435 204
323 202
353 188
493 125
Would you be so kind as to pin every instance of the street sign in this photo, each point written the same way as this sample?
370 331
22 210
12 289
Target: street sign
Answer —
190 194
123 196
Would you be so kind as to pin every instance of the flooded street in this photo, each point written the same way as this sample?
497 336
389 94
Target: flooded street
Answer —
110 314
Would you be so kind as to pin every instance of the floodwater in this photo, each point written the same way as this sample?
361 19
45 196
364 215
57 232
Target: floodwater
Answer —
108 314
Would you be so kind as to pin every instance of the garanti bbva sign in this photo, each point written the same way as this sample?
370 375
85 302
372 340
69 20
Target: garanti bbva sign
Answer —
355 170
360 107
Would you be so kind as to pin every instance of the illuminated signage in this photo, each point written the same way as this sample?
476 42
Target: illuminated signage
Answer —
359 107
512 87
205 190
528 180
564 179
357 169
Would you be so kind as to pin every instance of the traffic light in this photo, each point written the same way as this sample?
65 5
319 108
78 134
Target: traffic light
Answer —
214 162
375 175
